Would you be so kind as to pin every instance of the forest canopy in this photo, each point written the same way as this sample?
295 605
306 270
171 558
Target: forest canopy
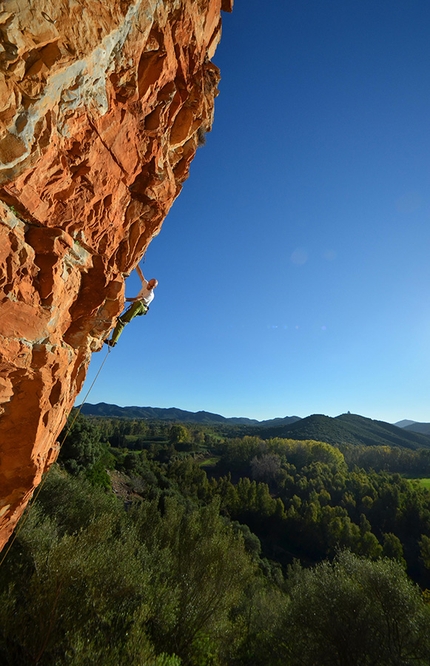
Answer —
167 544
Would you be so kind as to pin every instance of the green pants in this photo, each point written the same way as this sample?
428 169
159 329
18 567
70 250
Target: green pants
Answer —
135 309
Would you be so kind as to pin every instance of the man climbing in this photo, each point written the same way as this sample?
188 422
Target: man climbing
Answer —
140 306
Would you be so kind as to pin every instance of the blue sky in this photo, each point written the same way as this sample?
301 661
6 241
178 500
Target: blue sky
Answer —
294 268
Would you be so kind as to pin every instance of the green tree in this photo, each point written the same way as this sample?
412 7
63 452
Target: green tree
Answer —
355 612
392 548
424 544
178 434
203 577
81 598
82 447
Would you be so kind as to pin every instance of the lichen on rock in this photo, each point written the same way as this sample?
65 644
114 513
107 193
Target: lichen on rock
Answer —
102 108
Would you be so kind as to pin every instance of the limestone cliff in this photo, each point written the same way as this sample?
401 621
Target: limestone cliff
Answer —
102 107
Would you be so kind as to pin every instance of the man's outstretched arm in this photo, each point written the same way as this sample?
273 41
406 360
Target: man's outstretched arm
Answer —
140 274
143 281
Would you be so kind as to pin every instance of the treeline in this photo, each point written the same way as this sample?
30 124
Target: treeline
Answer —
221 552
136 434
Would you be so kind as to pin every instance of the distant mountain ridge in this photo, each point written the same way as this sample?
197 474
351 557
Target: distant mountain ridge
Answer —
423 428
349 429
415 426
174 414
343 429
404 423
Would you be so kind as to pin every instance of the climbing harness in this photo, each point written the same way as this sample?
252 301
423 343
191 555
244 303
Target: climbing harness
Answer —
25 514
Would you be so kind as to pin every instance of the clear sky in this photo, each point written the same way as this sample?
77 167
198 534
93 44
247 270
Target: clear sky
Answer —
294 268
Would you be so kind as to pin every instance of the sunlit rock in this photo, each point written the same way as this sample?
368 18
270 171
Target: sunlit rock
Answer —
102 108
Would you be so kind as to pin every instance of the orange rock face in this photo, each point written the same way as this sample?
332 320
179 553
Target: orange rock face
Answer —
102 108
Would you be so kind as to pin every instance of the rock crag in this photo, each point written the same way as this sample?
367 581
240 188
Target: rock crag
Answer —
102 108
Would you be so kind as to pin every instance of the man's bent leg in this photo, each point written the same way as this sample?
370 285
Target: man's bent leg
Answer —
116 333
136 309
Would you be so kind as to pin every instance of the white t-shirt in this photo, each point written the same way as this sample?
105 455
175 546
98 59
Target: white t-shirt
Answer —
145 295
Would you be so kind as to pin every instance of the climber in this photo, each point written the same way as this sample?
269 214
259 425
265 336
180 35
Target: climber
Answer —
140 306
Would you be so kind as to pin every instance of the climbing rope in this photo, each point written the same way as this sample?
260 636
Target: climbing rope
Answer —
25 514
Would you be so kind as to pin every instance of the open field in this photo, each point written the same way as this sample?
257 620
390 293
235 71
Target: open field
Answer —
424 482
211 462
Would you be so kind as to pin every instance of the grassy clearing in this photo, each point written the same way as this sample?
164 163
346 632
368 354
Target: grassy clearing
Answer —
211 462
424 482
